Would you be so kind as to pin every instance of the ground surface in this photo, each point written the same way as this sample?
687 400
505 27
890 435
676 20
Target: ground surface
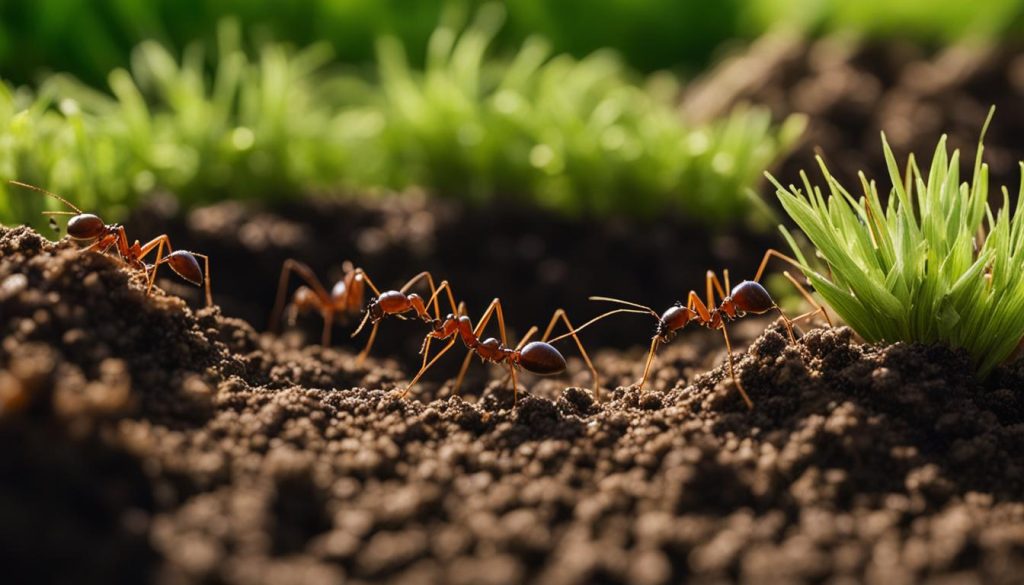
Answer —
145 440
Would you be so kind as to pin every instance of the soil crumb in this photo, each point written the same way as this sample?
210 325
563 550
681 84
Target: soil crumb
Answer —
146 441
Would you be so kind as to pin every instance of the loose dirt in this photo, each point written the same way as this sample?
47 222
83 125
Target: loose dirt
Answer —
148 441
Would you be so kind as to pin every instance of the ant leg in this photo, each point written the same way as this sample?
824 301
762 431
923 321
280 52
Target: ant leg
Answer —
650 360
711 280
515 384
493 309
159 242
366 277
732 370
428 366
586 357
325 336
525 339
101 245
469 354
447 288
694 303
156 265
306 273
808 297
787 322
369 342
206 276
772 252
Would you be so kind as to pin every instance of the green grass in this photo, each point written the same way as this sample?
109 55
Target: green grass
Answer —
89 39
923 21
578 136
92 38
932 265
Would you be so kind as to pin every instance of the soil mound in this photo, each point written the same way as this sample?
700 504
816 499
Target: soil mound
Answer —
147 441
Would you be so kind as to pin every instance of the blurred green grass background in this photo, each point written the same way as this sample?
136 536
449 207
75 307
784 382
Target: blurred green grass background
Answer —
88 39
557 103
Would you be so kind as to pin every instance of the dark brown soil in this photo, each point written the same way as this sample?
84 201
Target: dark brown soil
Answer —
143 441
851 91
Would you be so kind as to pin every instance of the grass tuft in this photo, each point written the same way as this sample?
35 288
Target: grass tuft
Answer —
932 265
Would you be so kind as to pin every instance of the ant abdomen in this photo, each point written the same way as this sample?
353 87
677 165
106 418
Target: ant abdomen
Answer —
751 297
86 226
541 358
185 265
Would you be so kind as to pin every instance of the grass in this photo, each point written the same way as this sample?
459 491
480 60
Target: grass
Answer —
572 135
932 265
90 39
923 21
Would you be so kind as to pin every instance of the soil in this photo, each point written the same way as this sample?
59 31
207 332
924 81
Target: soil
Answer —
148 441
853 90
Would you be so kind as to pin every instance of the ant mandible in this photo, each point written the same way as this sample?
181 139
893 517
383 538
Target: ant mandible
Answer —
90 227
746 297
539 357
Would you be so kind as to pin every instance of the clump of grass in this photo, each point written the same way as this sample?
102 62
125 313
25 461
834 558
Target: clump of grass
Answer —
572 135
575 135
932 265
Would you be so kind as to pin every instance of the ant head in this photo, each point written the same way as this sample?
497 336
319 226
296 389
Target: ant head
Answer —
676 317
751 297
374 311
86 226
541 358
185 265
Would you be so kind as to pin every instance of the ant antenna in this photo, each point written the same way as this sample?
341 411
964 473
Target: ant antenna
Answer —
645 308
45 192
598 318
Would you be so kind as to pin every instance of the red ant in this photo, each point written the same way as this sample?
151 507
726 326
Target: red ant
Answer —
87 226
345 298
539 357
746 297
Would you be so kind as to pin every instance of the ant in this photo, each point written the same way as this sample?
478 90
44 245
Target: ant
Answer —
399 302
104 236
346 297
539 357
746 297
